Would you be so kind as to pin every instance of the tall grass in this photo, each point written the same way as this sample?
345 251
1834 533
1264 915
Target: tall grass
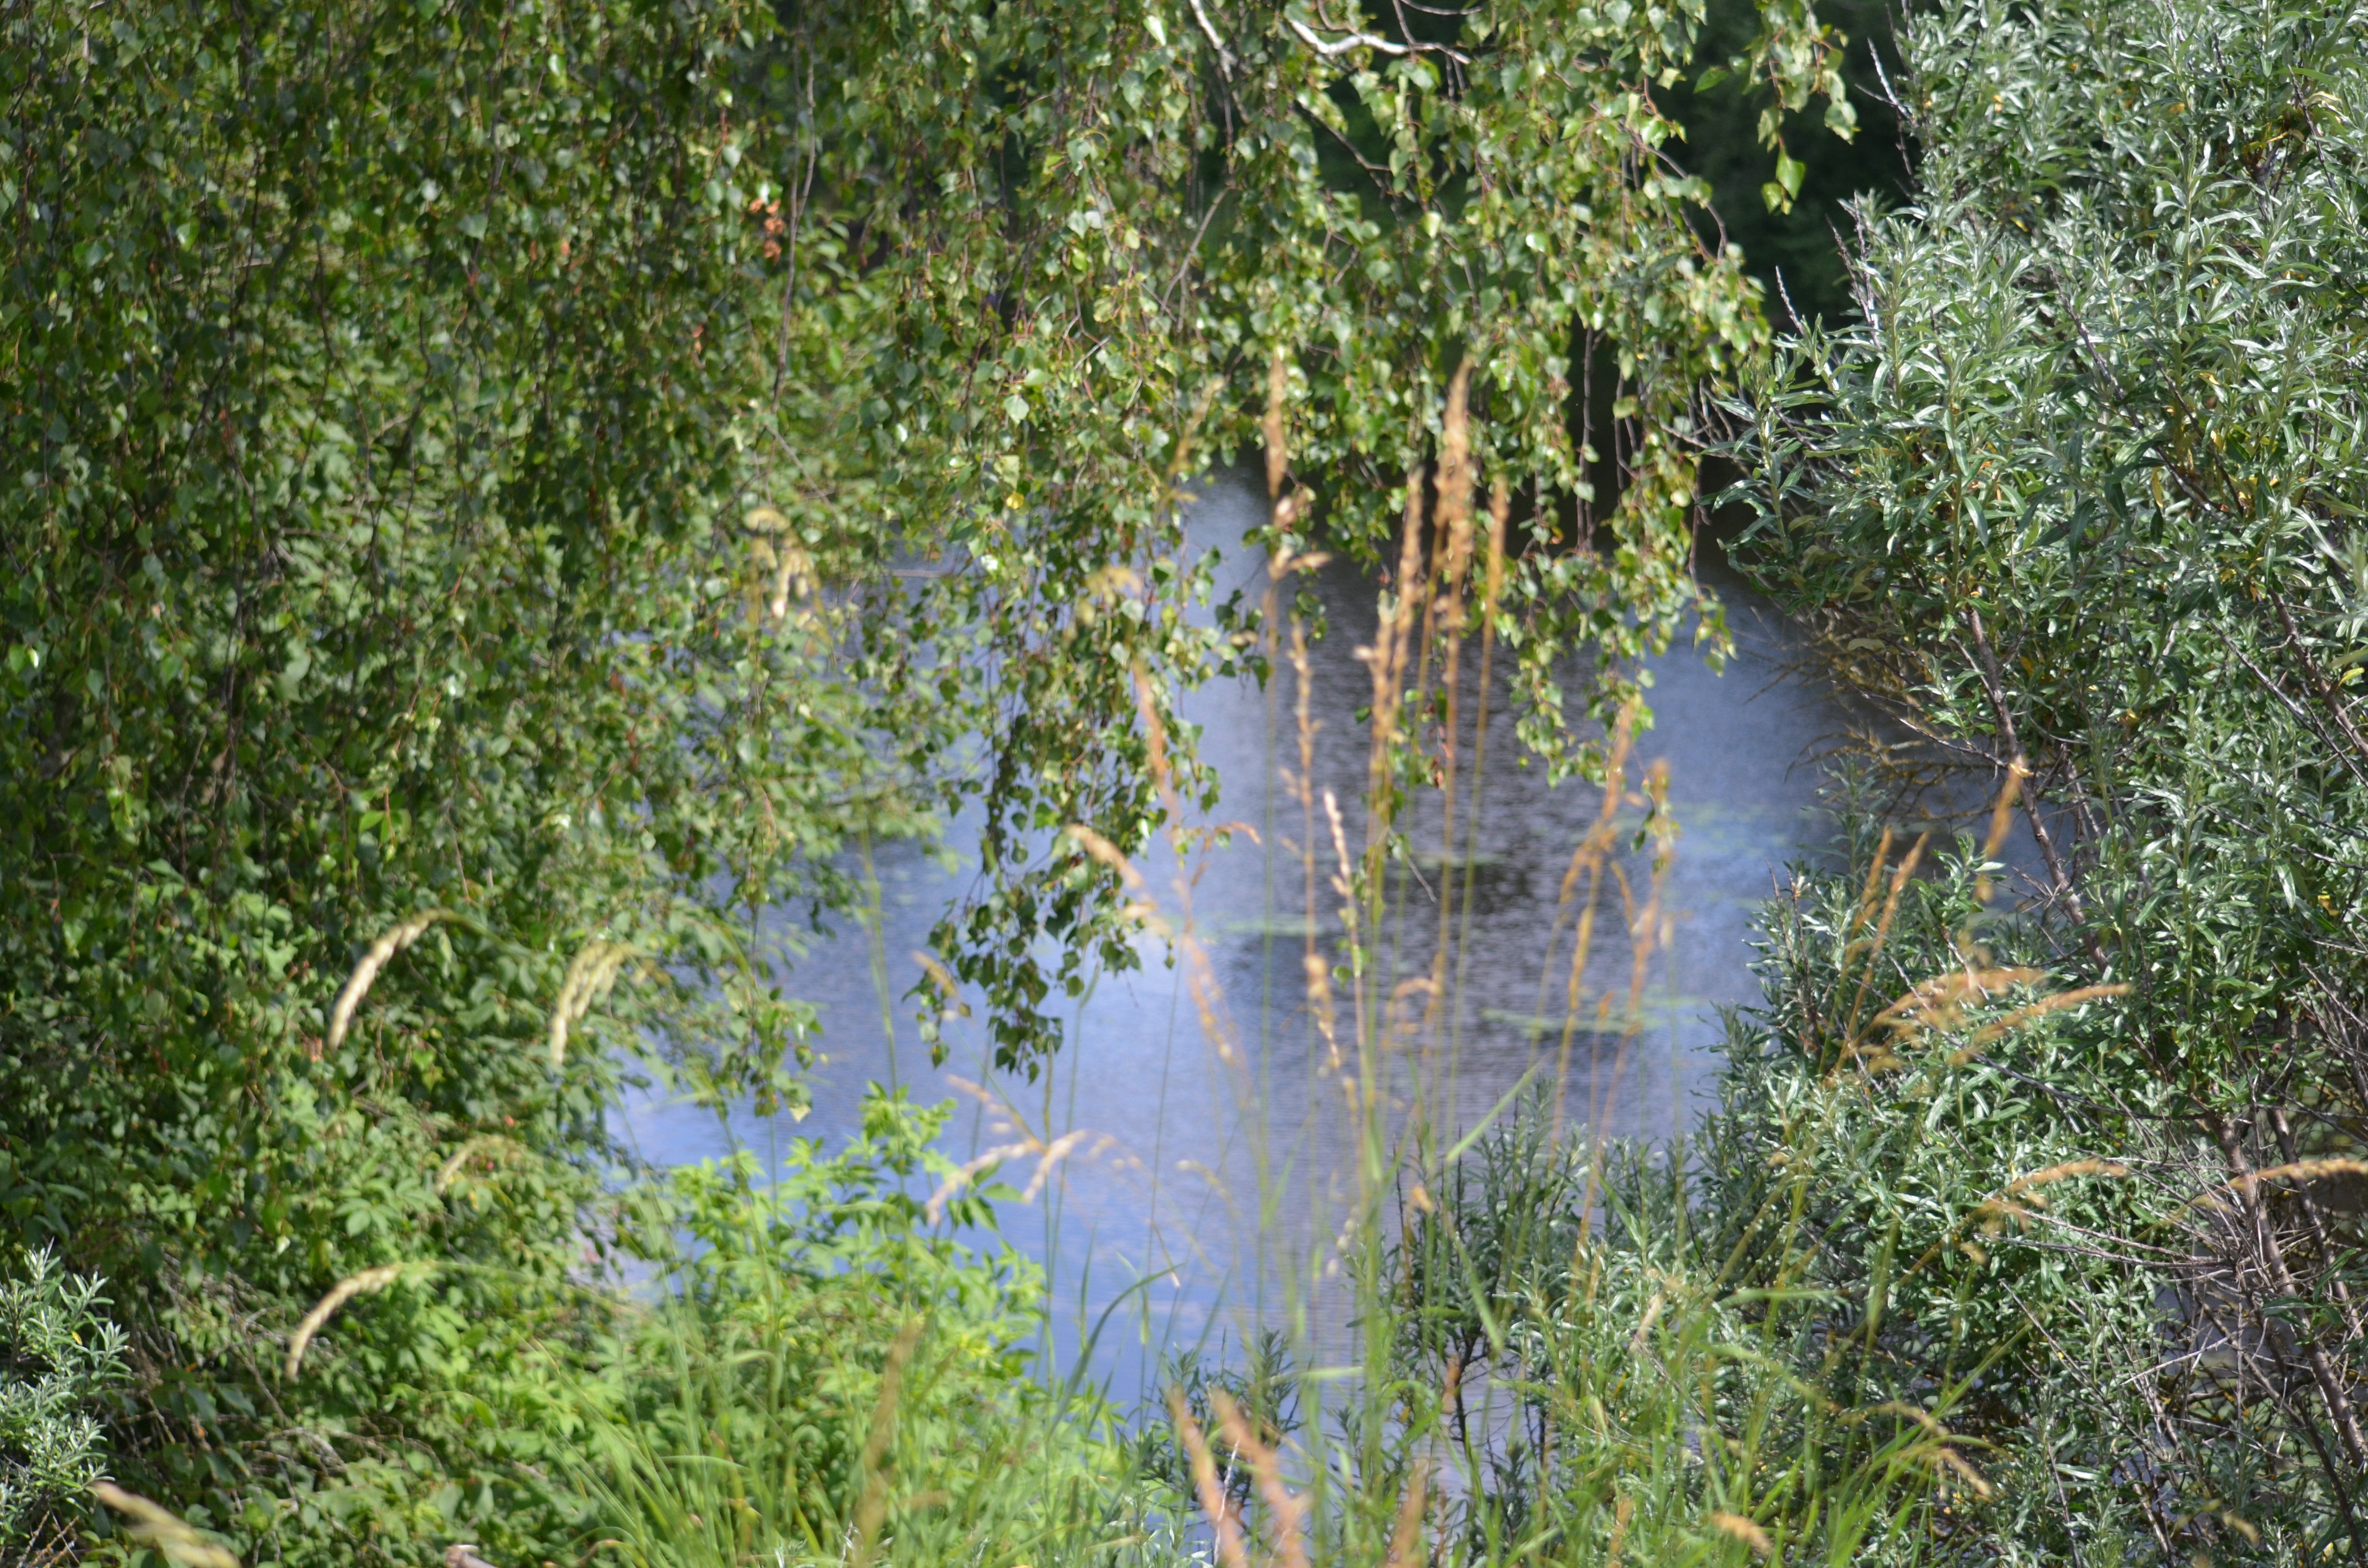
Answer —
821 1375
1515 1341
1505 1342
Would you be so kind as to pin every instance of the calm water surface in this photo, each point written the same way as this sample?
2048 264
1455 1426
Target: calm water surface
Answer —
1220 1176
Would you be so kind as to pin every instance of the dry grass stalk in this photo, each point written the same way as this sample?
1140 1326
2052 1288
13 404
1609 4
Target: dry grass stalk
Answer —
345 1291
1882 934
1443 631
590 977
1643 1334
2063 1172
2023 1015
153 1524
1590 860
1199 975
1344 885
1319 1004
1049 1152
1288 1512
1622 1512
1501 513
1645 926
1594 852
2296 1170
1865 909
872 1507
2002 818
1228 1528
1054 1152
1454 508
1386 660
1744 1530
1317 968
791 565
341 1013
1102 850
963 1174
2020 1195
2014 1203
1277 390
1963 1469
1938 1003
1405 1540
944 993
1934 1002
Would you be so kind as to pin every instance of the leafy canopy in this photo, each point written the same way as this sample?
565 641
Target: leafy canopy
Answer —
578 468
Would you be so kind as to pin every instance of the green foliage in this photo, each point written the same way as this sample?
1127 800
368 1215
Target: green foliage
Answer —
1043 259
1911 1096
1795 245
1560 1364
2085 487
372 542
57 1351
578 468
824 1375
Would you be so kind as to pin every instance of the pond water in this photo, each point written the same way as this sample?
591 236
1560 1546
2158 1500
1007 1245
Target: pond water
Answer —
1217 1177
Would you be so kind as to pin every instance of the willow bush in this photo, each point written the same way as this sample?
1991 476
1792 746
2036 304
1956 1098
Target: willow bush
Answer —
58 1351
2083 487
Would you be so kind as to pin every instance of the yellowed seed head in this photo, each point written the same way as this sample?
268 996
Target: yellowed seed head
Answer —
341 1015
345 1291
1744 1530
153 1524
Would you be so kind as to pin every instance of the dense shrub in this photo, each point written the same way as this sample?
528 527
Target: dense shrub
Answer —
820 1371
2084 485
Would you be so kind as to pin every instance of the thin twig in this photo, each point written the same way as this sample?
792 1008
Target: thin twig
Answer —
1225 55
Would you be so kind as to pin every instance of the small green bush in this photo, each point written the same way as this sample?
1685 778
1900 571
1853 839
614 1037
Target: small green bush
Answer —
57 1350
825 1374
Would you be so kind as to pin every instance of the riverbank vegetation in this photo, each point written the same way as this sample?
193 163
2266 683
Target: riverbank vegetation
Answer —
2082 487
502 496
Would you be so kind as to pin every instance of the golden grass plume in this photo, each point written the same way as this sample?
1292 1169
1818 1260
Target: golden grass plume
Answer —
345 1291
1286 1510
491 1144
590 977
153 1525
1405 1540
341 1013
1744 1530
1222 1519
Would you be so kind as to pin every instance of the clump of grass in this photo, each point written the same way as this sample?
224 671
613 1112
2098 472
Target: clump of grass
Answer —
1562 1348
823 1376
